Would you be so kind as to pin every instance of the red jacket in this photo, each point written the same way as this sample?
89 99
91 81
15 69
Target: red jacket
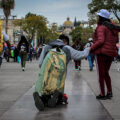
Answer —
105 41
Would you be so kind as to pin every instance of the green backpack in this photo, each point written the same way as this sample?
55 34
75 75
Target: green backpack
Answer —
12 53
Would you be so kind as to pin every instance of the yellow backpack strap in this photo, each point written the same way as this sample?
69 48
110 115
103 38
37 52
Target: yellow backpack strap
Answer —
1 38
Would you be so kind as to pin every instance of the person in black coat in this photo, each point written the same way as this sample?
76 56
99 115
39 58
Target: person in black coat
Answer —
23 47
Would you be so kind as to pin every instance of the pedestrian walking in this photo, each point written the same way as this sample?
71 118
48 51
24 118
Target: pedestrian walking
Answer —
4 37
104 47
91 57
39 50
16 53
30 54
6 53
77 46
23 47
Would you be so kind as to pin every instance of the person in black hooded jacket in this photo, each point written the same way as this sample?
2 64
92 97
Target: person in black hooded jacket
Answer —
23 47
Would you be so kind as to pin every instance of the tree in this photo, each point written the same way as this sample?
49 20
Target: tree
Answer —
36 25
83 33
111 5
32 25
7 6
18 22
60 27
86 34
49 36
92 19
76 23
30 14
51 33
54 27
76 33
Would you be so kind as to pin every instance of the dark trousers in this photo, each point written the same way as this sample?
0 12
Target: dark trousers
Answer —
77 64
103 64
6 57
0 61
30 57
23 56
15 58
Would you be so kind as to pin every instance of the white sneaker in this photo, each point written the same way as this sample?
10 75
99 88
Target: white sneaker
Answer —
23 69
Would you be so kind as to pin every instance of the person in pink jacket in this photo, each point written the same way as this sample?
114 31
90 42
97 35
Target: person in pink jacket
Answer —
104 47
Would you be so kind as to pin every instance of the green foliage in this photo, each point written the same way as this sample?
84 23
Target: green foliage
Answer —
92 19
51 33
30 14
32 24
18 22
7 4
49 36
76 23
111 5
86 34
54 27
83 33
76 33
60 27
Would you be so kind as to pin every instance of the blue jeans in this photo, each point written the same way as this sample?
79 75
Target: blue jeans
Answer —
91 60
30 57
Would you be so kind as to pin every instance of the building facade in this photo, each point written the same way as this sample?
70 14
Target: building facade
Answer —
67 28
13 31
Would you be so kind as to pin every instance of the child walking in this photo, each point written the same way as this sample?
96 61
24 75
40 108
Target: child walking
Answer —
77 46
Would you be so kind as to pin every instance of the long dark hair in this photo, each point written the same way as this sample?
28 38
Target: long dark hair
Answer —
102 20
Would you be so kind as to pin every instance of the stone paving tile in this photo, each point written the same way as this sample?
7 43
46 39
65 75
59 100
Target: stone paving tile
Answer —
14 83
82 104
113 105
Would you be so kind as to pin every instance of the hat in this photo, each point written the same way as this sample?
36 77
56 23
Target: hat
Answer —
90 39
104 13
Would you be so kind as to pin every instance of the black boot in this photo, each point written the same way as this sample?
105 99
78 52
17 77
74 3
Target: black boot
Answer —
109 95
54 99
100 97
38 101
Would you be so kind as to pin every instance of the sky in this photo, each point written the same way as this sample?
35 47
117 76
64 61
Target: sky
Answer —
54 10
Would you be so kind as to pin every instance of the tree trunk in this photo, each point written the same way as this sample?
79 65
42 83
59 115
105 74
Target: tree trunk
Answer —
6 28
31 39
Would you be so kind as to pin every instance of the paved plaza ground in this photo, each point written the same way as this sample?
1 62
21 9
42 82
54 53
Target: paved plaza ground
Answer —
16 101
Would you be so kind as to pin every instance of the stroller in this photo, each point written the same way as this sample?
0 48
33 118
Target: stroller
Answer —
49 88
